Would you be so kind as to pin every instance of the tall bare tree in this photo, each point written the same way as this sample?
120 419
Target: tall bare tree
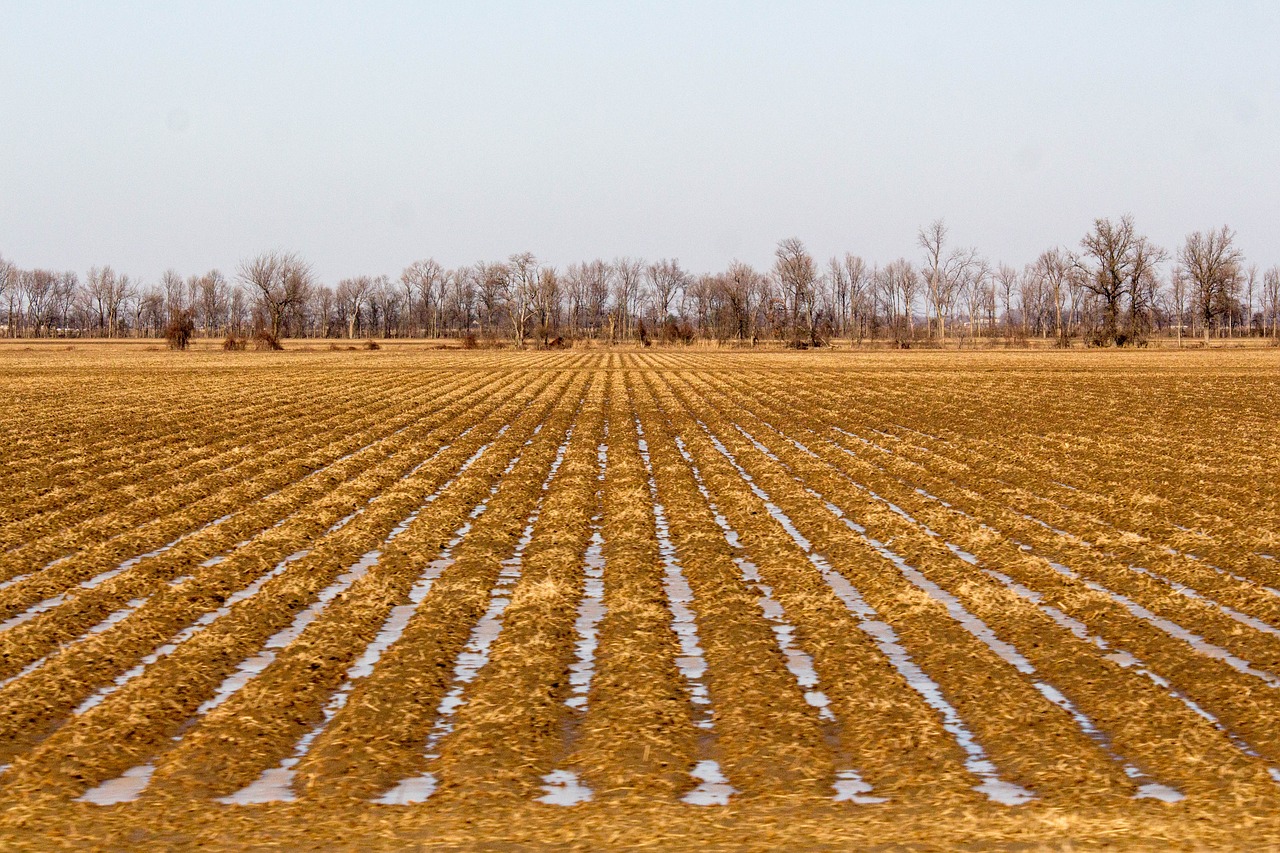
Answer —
858 278
1007 280
1054 268
667 280
279 282
1213 263
424 280
796 274
1122 264
350 298
628 282
933 239
8 292
901 283
523 295
214 301
1178 297
1271 300
546 303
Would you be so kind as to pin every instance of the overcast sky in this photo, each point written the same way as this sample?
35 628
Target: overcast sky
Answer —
364 136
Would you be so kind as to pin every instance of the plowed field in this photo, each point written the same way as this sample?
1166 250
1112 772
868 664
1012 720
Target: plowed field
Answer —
383 599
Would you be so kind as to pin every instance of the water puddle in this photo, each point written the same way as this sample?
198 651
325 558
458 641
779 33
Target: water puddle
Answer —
475 654
253 666
133 561
110 621
591 610
851 788
98 580
276 783
713 788
564 788
1169 627
189 632
1188 592
799 663
20 578
1124 658
886 640
123 789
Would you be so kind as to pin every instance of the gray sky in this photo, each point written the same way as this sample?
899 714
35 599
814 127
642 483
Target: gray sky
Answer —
364 136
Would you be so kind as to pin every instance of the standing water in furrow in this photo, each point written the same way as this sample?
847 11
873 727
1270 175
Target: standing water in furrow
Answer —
1116 654
563 787
475 654
980 630
129 563
713 789
1178 632
134 781
135 604
977 762
275 784
849 784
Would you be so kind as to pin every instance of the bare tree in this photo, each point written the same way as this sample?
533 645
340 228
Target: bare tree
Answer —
743 290
667 280
796 275
1007 280
1271 300
946 277
900 283
350 297
599 279
1123 263
1213 263
628 280
1250 281
8 292
975 282
384 299
838 278
546 303
99 285
932 239
279 281
1054 268
38 292
173 288
1178 294
860 305
523 295
213 301
494 283
425 280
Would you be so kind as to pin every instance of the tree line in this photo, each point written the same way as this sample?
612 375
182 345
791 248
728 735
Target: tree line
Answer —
1114 288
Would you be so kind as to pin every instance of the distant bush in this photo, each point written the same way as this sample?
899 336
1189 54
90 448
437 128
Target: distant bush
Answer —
469 341
371 344
180 331
264 340
233 344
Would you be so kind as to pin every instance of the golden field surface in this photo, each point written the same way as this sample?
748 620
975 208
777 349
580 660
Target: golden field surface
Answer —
668 599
